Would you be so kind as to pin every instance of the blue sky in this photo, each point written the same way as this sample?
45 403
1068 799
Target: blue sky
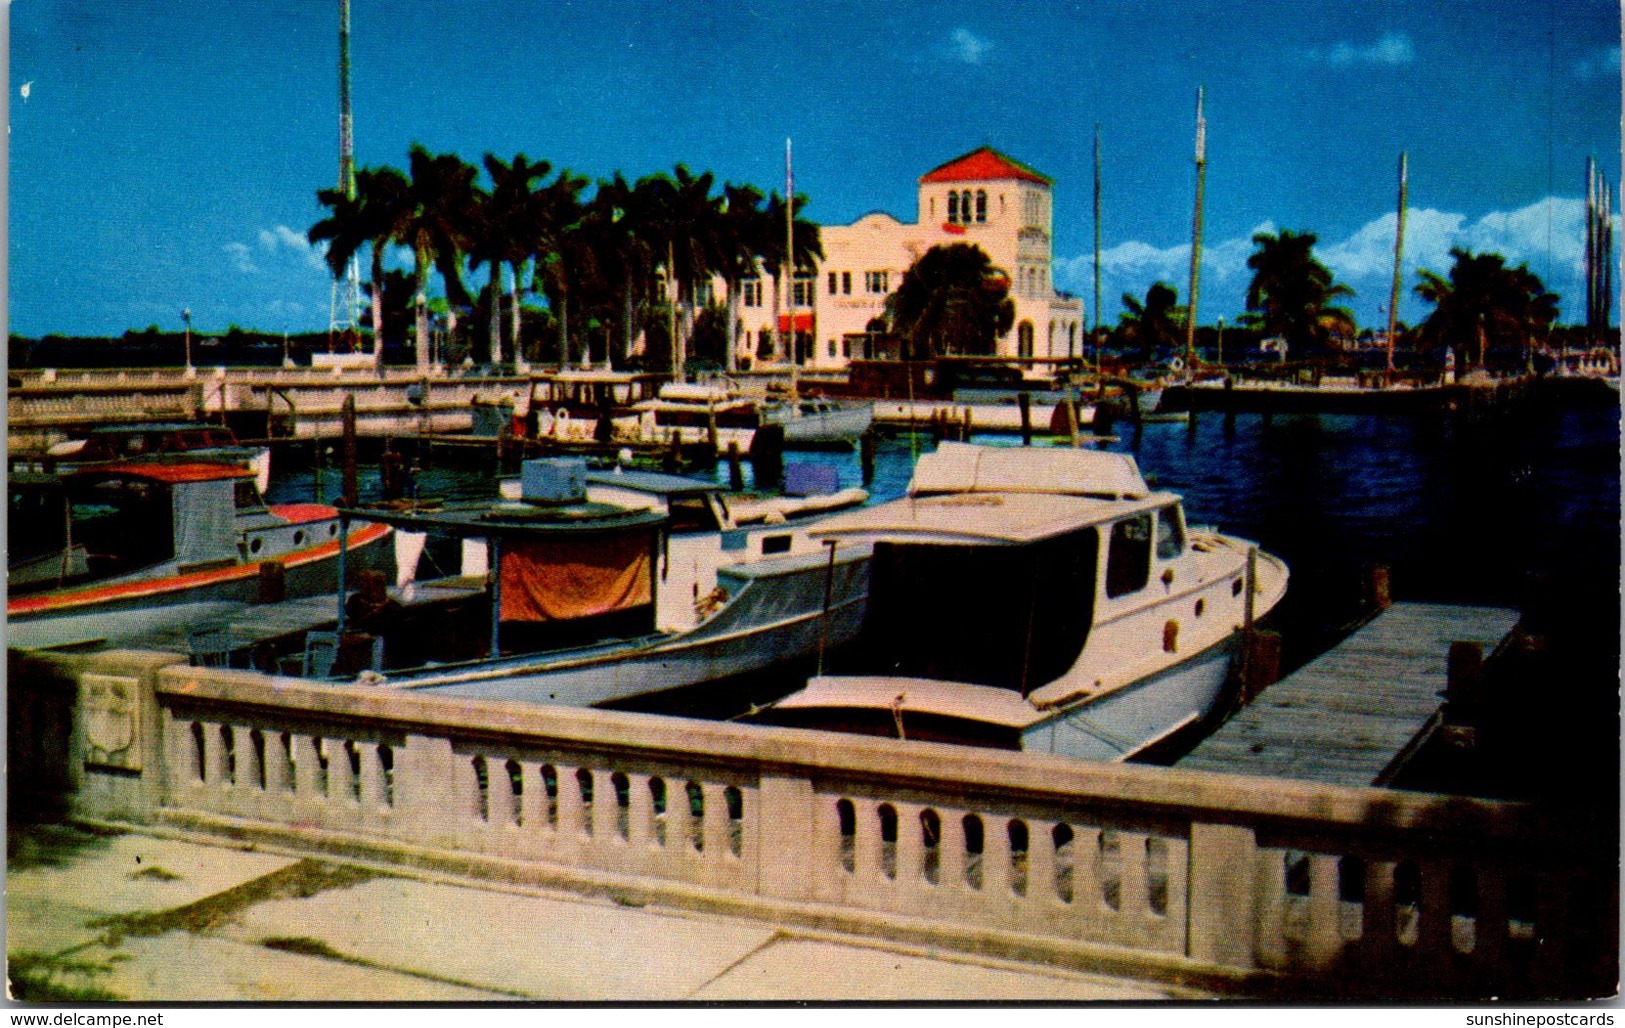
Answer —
166 156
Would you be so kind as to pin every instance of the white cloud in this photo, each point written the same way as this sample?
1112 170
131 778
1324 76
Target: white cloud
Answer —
1547 235
965 45
284 239
1600 62
241 258
1394 48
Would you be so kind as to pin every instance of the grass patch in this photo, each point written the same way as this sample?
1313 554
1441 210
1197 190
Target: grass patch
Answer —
157 873
297 881
38 978
52 845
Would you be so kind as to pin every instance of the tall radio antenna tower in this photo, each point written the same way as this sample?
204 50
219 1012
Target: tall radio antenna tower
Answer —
342 310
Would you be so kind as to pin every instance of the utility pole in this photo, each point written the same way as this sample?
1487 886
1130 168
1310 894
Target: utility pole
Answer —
1196 235
1095 335
1399 252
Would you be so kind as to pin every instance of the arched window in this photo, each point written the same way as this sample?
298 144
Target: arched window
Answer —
953 208
981 205
1024 339
964 207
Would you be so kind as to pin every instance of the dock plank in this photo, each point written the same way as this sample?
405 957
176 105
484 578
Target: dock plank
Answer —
1343 717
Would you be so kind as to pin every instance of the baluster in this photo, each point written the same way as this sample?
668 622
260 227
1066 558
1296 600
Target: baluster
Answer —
1433 932
1490 932
1271 908
952 849
1324 943
533 797
499 790
1041 864
571 824
866 841
910 847
639 813
996 875
305 768
1379 922
715 821
340 781
214 754
372 780
1136 887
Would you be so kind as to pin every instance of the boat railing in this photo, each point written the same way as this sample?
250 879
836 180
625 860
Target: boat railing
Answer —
1228 881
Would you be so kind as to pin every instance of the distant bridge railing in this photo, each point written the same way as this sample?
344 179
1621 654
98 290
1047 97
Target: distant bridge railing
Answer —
1261 886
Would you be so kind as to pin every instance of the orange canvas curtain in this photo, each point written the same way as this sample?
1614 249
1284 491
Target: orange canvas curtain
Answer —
564 580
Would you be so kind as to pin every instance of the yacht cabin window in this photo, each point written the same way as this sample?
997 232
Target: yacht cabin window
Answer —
1170 533
1128 556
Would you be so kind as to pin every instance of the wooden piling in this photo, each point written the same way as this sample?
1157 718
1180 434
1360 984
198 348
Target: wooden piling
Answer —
736 473
965 432
273 582
1024 400
866 455
1377 592
350 487
1464 682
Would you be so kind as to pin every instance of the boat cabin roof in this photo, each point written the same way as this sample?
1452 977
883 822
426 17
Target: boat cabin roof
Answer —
983 703
142 427
1009 518
654 482
170 474
509 519
968 468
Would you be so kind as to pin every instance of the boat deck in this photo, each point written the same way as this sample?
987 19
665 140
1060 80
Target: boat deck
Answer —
272 622
1345 717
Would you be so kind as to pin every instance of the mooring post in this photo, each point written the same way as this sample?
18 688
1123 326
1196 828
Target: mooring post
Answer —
1024 400
1377 592
866 455
350 487
736 474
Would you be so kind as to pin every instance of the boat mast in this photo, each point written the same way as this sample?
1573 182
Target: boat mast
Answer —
1196 234
790 252
342 309
1095 334
1591 245
1399 250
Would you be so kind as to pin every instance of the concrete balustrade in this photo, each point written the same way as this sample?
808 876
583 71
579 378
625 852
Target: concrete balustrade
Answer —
1258 883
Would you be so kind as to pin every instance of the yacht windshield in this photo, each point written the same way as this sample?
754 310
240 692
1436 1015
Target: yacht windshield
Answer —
1009 616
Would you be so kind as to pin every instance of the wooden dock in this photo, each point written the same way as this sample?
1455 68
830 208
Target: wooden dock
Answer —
1347 717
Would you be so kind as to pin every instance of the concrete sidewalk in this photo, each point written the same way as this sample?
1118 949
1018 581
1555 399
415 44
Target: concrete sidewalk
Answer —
147 919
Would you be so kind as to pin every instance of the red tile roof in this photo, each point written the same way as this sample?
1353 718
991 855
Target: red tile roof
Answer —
983 165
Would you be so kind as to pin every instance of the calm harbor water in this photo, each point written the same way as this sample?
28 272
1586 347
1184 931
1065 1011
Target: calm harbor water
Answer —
1467 510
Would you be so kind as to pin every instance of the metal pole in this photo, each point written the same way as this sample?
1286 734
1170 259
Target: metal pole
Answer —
344 580
1250 587
829 597
1095 334
495 546
1399 252
1196 234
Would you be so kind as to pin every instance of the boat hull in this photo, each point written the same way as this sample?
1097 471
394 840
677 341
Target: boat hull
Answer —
1130 720
773 618
106 612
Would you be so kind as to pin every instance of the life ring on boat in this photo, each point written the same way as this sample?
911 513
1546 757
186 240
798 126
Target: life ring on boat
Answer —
562 414
1176 364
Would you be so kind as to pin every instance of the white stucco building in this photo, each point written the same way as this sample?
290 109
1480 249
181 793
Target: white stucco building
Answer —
983 197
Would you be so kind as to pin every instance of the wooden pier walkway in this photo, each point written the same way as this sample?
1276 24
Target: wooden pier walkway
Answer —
1347 716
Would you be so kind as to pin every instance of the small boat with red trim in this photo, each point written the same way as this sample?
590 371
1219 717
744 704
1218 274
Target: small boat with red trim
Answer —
99 553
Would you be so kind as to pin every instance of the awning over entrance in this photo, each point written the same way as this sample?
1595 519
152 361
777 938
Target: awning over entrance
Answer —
802 322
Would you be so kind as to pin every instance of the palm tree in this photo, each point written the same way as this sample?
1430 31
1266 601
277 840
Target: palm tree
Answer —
437 227
623 220
1484 305
371 218
808 247
507 223
951 300
1291 294
686 218
742 226
564 257
1151 326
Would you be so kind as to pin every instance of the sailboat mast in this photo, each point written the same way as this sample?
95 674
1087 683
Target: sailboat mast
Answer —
1095 335
342 310
1196 233
790 250
1591 245
1399 252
